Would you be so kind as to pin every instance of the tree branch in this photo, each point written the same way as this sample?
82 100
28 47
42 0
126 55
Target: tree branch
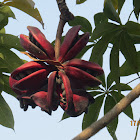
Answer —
65 16
111 115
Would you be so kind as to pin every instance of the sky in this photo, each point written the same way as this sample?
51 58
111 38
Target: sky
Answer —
38 125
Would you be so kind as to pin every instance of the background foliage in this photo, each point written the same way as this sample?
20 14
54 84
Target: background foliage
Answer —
109 33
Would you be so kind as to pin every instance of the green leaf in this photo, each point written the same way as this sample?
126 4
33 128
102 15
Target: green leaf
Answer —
132 27
118 96
84 50
80 1
135 38
115 4
110 11
6 86
102 78
136 4
10 41
95 93
1 84
126 68
26 6
6 116
93 112
5 10
103 28
65 116
120 5
112 126
2 31
101 46
86 26
129 51
123 87
11 59
4 21
109 80
114 63
100 18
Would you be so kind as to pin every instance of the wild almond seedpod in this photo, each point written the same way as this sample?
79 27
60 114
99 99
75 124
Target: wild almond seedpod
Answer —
47 82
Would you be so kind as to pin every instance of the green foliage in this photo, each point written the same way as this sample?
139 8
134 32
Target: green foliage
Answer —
112 126
6 117
26 6
80 1
93 112
136 4
86 26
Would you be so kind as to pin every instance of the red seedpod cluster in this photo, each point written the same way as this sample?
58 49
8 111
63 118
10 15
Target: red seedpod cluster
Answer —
49 83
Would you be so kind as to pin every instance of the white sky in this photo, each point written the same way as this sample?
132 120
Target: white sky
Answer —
37 125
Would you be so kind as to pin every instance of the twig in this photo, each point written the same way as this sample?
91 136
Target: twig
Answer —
111 115
65 16
58 37
65 13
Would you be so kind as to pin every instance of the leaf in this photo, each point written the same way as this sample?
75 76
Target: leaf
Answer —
80 1
114 63
1 84
4 21
65 116
135 39
10 41
6 116
26 6
84 50
120 5
132 27
123 87
11 59
129 51
100 18
6 86
136 4
110 11
126 68
115 4
5 10
102 78
101 46
86 26
93 112
95 93
2 31
103 28
109 80
118 96
112 126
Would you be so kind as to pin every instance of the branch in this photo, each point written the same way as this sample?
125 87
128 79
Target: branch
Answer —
65 16
111 115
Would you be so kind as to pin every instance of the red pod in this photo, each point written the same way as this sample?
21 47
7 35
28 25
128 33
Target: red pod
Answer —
52 97
40 99
68 41
80 44
68 90
90 67
29 76
81 101
32 48
84 77
40 38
